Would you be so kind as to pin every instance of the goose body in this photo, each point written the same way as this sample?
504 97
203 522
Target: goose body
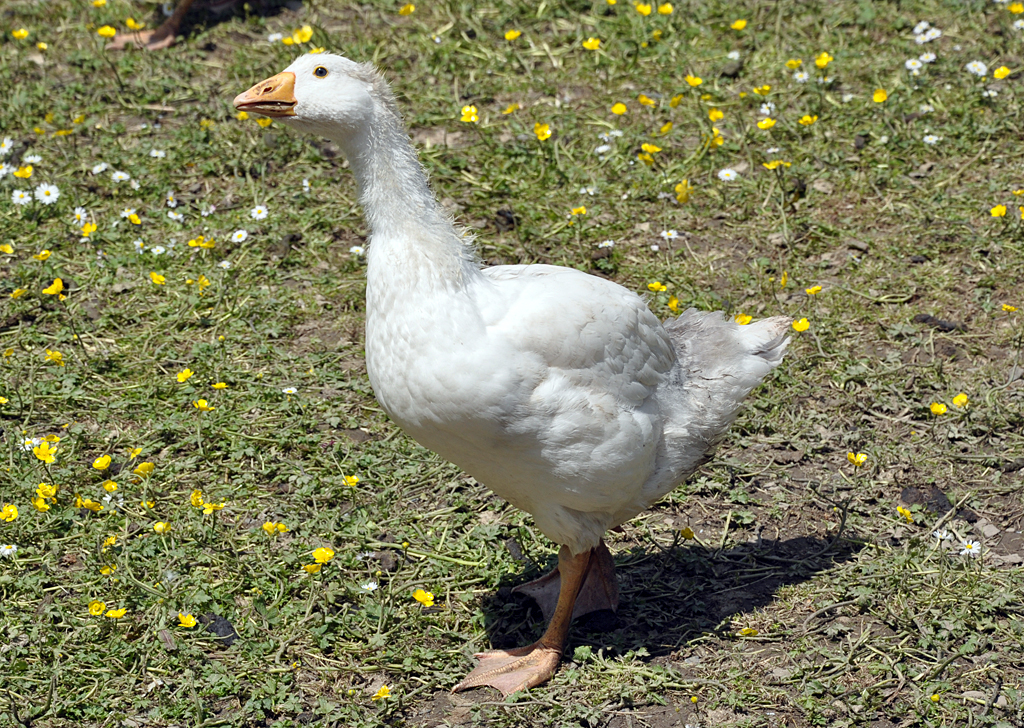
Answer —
558 390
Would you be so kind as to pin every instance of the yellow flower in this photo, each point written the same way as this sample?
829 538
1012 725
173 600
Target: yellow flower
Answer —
1001 72
203 406
683 190
879 96
134 219
196 498
321 49
1017 8
20 33
581 210
807 119
312 568
108 570
270 528
656 287
157 278
351 480
186 620
109 485
762 90
184 375
134 25
813 290
44 452
775 164
794 63
743 319
857 459
998 211
715 114
40 504
543 131
116 613
88 229
905 512
43 46
18 292
766 123
220 385
512 34
748 632
43 255
106 31
801 325
423 597
1008 308
665 128
241 116
281 528
694 81
54 357
407 9
960 400
7 249
9 512
936 697
162 527
650 148
23 172
145 469
510 108
209 508
646 100
937 408
675 100
109 541
46 491
739 25
469 115
673 304
96 608
303 34
323 554
384 692
665 9
102 462
90 505
98 3
134 452
643 8
823 59
619 109
592 44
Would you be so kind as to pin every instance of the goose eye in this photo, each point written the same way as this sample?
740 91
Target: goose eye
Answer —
320 72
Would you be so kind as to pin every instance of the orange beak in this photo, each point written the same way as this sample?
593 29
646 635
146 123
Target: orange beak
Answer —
274 97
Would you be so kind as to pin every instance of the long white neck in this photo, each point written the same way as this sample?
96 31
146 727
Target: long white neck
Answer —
409 229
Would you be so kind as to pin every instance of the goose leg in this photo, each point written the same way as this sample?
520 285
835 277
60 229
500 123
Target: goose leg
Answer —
527 667
600 588
158 39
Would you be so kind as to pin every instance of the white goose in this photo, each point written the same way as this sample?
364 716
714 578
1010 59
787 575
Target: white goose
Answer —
559 391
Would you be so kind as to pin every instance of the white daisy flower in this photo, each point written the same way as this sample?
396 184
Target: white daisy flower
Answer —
606 244
158 250
655 247
970 548
357 250
603 149
990 93
240 236
669 234
733 55
47 194
80 215
801 77
931 139
1018 25
977 68
6 146
926 108
100 168
369 587
32 159
290 390
259 212
157 153
274 37
176 216
139 246
847 98
21 197
771 150
9 551
167 9
768 108
127 212
225 265
942 534
825 80
921 27
135 184
913 64
207 211
305 185
5 169
172 201
437 39
588 190
31 442
727 174
927 57
120 176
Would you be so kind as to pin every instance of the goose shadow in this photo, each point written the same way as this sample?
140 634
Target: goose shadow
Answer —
668 597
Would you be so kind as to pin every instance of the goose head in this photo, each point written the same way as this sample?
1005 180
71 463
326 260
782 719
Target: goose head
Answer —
320 93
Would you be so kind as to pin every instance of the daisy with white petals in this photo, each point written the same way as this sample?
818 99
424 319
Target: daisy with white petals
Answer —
259 212
728 174
21 197
240 236
47 194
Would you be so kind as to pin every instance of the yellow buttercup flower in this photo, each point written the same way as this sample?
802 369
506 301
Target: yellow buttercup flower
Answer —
823 59
643 8
162 527
54 288
683 190
715 114
96 607
857 459
1001 72
694 81
801 325
407 9
619 109
543 131
998 211
469 115
813 290
106 31
133 24
937 408
102 462
665 9
423 597
743 319
323 554
794 63
960 400
592 44
646 100
512 34
738 24
879 96
184 375
187 620
20 33
384 692
766 123
157 278
807 119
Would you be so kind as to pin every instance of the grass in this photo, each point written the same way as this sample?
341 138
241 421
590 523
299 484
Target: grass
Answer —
804 597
